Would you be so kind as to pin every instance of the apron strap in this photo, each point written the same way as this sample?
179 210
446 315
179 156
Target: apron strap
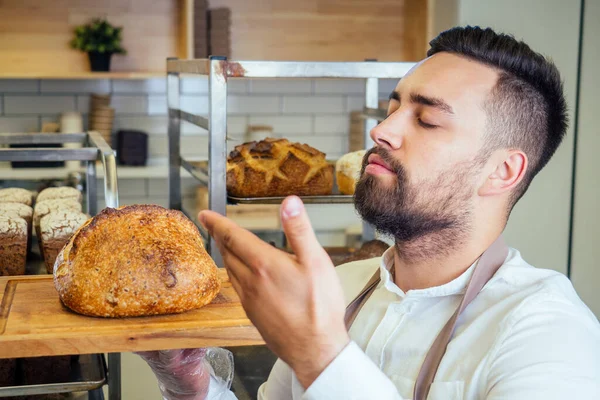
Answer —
490 261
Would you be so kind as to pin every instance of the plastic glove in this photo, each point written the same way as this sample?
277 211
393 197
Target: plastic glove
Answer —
192 374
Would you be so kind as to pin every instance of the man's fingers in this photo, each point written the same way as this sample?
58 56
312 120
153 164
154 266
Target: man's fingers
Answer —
231 238
299 232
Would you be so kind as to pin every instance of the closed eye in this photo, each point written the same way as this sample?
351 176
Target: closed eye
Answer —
425 124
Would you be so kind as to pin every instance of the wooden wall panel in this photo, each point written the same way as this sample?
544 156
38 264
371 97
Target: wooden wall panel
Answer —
327 30
35 34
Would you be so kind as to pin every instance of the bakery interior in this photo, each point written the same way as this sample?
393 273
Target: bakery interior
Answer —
140 152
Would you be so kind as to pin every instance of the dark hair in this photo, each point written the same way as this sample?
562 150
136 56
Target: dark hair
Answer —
527 108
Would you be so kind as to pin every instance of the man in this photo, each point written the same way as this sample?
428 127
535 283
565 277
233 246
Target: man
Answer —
467 130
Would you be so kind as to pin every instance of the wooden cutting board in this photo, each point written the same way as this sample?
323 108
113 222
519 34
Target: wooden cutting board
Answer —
33 322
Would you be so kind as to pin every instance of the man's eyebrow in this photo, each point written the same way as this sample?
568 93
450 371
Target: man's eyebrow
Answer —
426 101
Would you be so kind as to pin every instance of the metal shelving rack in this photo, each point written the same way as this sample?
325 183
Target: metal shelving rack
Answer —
90 371
218 70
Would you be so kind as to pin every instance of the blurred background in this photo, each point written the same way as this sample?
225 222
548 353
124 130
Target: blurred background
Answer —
47 84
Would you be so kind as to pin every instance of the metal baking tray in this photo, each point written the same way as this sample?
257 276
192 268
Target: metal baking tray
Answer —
88 373
330 199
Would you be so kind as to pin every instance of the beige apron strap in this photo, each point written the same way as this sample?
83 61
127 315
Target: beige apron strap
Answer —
491 260
355 305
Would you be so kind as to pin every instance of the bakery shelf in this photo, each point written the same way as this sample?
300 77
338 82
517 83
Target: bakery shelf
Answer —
219 70
93 148
88 372
330 199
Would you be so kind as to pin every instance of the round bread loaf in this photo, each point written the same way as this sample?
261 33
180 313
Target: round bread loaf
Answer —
17 209
62 192
347 171
135 261
16 195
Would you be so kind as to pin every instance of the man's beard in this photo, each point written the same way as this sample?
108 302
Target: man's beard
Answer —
410 212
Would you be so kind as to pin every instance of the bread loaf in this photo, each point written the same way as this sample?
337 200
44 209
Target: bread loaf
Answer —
22 211
276 167
63 192
13 245
44 208
16 195
347 171
133 261
56 229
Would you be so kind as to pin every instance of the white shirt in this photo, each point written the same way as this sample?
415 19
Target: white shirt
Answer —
527 335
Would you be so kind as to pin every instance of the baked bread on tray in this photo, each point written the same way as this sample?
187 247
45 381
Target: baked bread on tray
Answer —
137 260
277 167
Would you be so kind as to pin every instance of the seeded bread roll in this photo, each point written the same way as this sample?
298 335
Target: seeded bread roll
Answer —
22 211
135 261
43 208
277 167
63 192
56 230
13 245
347 171
16 195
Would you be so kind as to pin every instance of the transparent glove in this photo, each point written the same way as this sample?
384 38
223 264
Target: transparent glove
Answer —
192 374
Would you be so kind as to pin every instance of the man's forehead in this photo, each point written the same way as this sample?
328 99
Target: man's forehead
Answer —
449 75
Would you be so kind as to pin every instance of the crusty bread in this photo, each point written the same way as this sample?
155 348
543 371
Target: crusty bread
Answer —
13 245
56 229
347 171
22 211
276 167
43 208
133 261
62 192
16 195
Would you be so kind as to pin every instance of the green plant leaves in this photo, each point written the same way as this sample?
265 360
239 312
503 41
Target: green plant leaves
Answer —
98 35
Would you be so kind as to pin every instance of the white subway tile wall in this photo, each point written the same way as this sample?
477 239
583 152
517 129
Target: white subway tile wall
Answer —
19 86
42 104
75 86
311 111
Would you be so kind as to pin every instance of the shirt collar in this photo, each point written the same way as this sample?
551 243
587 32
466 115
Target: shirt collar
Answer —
456 286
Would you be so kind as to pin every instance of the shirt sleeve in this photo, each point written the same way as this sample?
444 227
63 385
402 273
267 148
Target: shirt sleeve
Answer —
279 384
352 375
550 353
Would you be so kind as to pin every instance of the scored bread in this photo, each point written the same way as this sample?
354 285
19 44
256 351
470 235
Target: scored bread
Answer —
277 167
347 171
16 195
62 192
43 208
133 261
22 211
56 229
13 245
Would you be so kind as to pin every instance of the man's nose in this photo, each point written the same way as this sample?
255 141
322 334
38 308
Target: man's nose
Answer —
386 135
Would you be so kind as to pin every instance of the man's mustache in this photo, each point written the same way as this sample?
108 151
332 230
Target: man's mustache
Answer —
394 165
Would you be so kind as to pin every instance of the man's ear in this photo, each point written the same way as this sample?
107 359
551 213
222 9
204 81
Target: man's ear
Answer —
509 172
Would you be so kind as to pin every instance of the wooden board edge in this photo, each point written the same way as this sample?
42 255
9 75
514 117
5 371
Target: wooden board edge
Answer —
174 339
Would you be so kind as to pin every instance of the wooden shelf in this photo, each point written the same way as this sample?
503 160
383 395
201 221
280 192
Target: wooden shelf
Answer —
84 75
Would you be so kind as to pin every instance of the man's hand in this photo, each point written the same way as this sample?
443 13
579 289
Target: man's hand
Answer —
295 302
181 374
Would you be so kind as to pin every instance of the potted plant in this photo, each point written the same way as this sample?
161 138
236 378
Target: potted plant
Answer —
100 40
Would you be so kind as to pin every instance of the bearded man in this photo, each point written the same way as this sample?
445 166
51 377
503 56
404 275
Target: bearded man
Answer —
448 312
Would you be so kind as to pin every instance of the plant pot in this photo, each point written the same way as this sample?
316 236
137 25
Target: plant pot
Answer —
99 61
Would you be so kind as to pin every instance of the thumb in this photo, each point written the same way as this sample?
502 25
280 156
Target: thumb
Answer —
299 232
